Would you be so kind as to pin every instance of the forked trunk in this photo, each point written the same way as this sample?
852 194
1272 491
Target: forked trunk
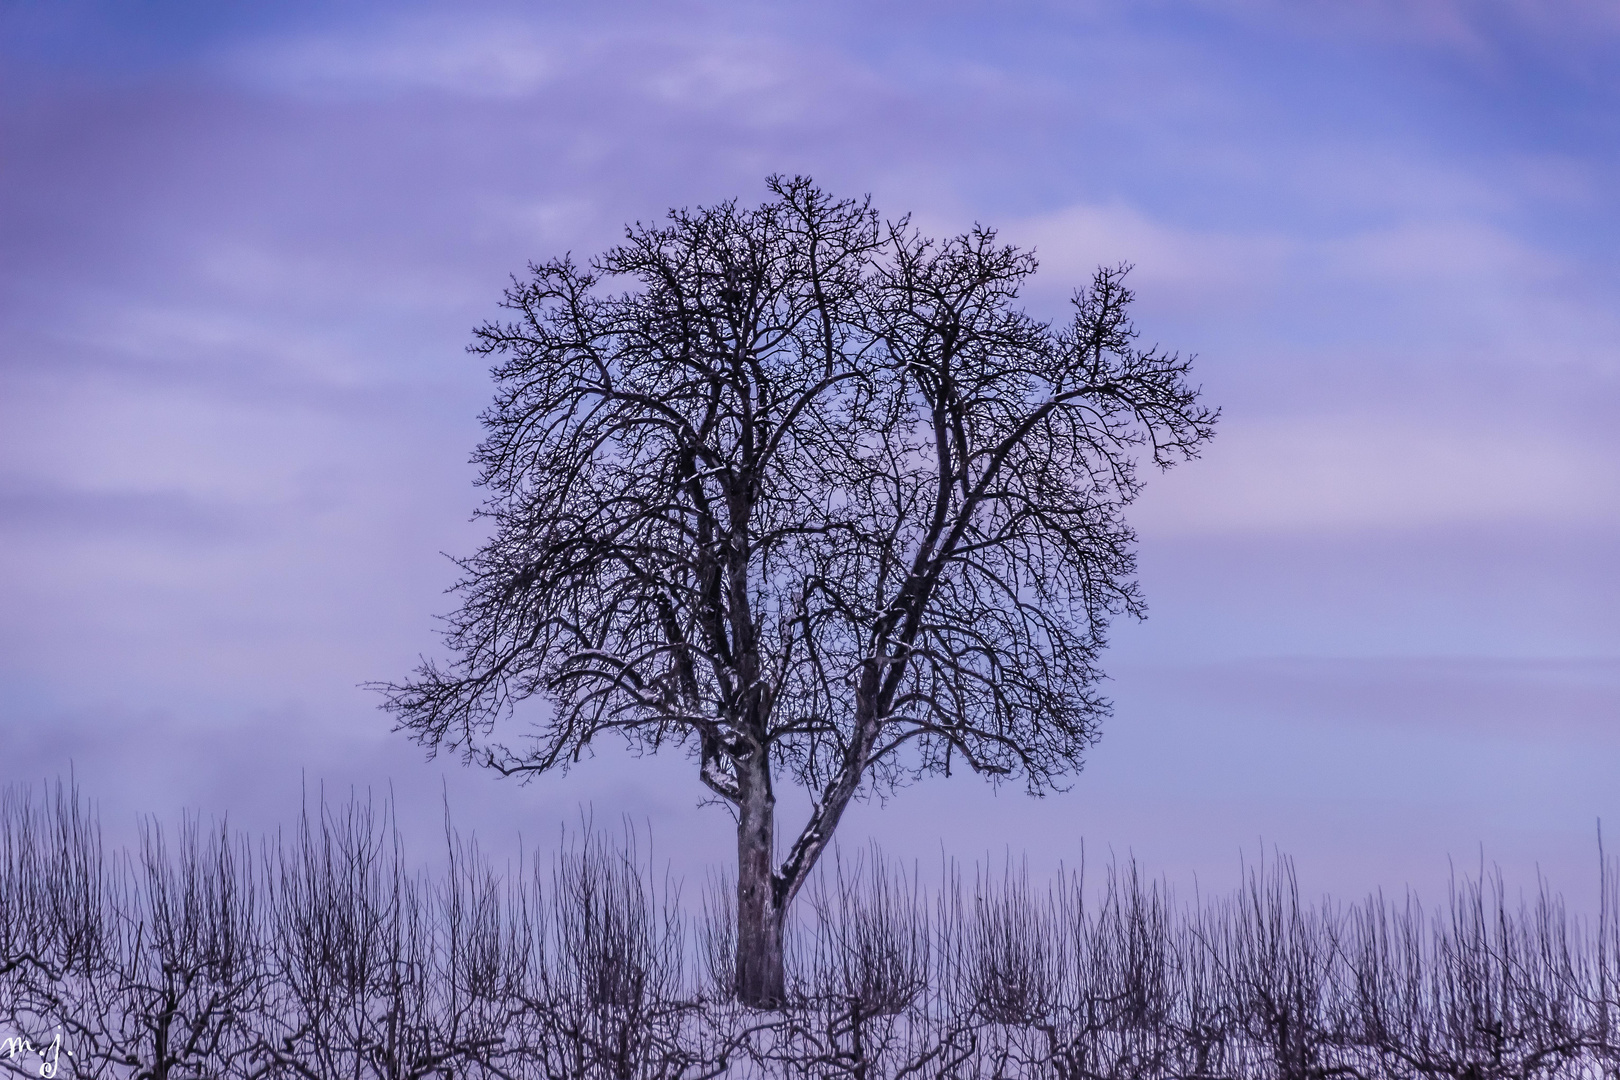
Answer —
760 979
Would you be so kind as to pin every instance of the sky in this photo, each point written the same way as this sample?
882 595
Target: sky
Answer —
243 247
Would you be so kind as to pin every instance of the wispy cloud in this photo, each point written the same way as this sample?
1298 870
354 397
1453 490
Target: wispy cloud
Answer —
28 506
1334 474
479 58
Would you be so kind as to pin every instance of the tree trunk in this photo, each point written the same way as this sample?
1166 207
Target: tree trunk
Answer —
760 982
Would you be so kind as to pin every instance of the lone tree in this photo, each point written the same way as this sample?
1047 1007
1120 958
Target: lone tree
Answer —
811 500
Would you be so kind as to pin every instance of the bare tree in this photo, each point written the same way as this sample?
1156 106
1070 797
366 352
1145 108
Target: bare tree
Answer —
812 500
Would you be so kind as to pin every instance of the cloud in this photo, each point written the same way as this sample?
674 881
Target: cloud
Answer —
1552 699
719 71
1484 32
757 79
32 507
1354 473
1449 251
1470 324
1182 266
1214 267
444 55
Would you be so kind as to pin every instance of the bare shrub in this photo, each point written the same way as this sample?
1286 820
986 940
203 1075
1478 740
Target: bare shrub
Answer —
1001 951
1478 989
1120 983
57 928
605 995
857 1004
1279 957
150 966
871 950
324 956
717 931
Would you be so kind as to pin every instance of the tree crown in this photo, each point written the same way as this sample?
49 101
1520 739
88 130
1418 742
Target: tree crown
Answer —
811 488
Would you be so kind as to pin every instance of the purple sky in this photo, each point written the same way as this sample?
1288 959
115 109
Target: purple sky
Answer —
243 246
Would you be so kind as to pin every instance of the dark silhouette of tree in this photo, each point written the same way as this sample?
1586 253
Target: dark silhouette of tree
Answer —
812 500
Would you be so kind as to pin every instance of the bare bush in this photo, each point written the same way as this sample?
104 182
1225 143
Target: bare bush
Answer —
606 993
1279 959
145 966
324 956
1116 1015
353 962
1476 989
1003 958
858 999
